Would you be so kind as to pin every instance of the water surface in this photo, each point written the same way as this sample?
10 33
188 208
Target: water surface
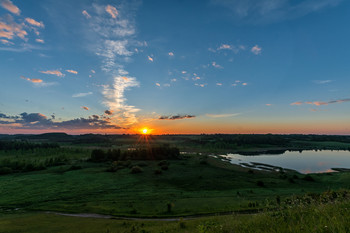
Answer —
304 162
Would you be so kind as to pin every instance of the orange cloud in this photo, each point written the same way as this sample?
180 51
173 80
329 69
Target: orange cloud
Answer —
39 40
297 103
34 80
8 31
72 71
318 103
6 41
85 108
86 14
8 5
150 58
34 22
112 11
53 72
171 54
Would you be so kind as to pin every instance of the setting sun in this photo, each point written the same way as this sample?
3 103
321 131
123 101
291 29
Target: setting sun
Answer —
145 131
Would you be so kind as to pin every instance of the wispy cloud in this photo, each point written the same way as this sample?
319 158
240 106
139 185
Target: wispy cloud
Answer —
86 14
85 108
216 65
72 71
268 11
78 95
297 103
201 85
35 23
8 5
112 11
10 29
218 84
40 41
33 80
322 81
150 58
319 103
256 50
6 42
222 115
158 84
115 33
53 72
115 100
225 47
176 117
171 54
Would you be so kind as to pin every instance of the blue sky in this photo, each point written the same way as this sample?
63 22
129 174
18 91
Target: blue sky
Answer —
215 66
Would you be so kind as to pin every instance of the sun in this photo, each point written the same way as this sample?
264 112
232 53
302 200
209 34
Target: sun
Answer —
145 131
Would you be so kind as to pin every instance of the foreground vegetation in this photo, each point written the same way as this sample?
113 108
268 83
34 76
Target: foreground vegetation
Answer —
317 217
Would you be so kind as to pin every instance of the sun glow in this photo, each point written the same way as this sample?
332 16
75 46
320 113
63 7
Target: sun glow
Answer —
145 131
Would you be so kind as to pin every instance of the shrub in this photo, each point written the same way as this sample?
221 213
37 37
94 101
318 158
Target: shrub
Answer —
75 167
165 167
98 155
142 164
203 161
5 170
308 178
163 162
158 172
260 183
136 169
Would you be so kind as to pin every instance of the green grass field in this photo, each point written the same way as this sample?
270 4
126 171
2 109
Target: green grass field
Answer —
333 217
64 180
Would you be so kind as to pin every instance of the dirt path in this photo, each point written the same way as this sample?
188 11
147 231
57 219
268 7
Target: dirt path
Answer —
173 219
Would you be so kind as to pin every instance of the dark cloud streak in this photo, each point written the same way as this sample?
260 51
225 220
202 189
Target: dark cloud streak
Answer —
176 117
40 121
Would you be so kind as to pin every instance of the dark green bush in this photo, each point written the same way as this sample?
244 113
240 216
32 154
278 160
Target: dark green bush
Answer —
260 183
5 170
136 169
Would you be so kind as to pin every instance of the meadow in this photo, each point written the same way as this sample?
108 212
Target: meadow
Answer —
69 179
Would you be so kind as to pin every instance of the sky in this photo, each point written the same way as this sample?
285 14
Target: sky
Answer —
175 67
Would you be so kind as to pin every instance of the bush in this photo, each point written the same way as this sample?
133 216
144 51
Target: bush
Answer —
98 155
308 178
158 172
260 183
163 162
5 170
75 167
142 164
165 167
136 169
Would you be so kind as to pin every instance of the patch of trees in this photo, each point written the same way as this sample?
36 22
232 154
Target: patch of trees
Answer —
8 166
147 153
231 141
20 145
